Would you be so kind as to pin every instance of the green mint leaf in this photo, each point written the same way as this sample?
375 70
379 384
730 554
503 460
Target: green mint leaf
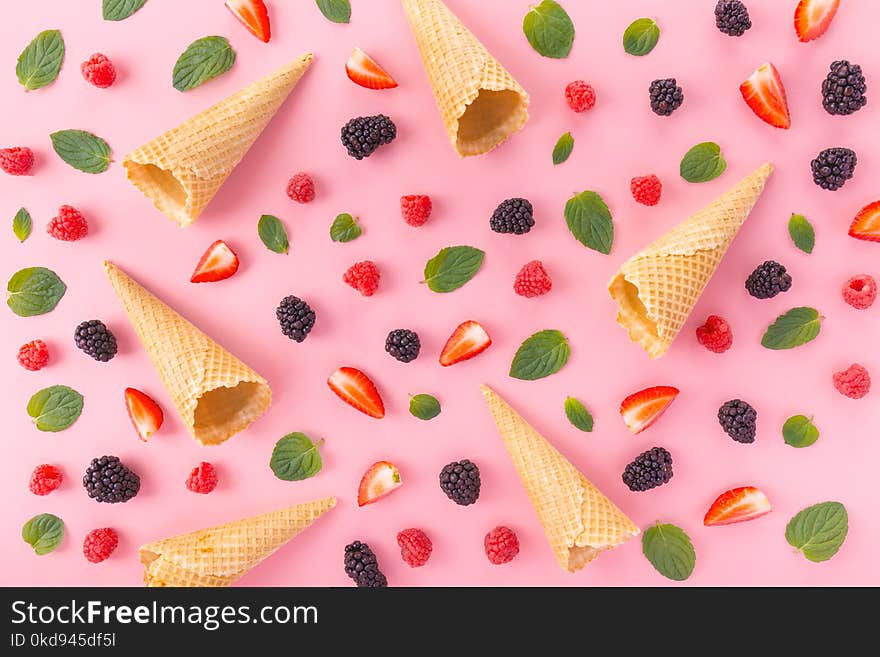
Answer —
452 267
272 232
82 150
119 10
424 407
43 533
589 220
549 29
702 163
802 233
563 148
344 229
670 551
819 530
542 354
203 60
799 431
792 329
578 414
21 224
34 291
40 61
296 457
640 37
338 11
55 408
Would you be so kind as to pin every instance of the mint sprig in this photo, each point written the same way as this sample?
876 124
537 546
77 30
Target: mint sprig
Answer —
802 233
799 431
338 11
549 29
21 224
670 551
452 267
562 149
34 291
43 533
82 150
424 407
272 233
702 163
578 414
296 457
793 328
345 228
40 62
55 408
119 10
589 220
640 37
819 530
203 60
540 355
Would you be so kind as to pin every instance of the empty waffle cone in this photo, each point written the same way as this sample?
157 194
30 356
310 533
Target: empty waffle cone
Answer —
657 288
579 521
181 170
215 393
480 102
218 556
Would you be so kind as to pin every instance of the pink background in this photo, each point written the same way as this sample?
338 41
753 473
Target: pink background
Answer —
620 138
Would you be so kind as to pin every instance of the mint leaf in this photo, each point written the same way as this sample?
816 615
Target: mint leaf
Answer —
82 150
578 414
119 10
34 291
819 530
640 37
549 29
296 457
272 232
344 229
203 60
452 267
21 224
702 163
55 408
670 551
792 329
424 407
542 354
563 148
589 220
43 533
40 61
338 11
802 233
799 431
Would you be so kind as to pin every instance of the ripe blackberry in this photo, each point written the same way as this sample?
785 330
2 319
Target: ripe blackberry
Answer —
648 470
732 17
403 344
94 338
843 90
361 565
666 96
833 167
108 480
364 134
513 215
768 280
738 419
296 317
460 480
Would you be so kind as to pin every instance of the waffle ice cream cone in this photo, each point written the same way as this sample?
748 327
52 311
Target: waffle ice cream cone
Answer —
579 521
215 393
480 102
181 170
218 556
657 288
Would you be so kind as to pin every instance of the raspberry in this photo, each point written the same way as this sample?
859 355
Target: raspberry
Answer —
501 544
301 188
99 71
415 547
99 544
715 334
202 479
44 479
363 277
69 225
34 355
16 161
853 382
415 209
646 189
532 280
580 96
860 291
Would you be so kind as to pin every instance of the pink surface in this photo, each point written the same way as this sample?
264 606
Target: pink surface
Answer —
618 139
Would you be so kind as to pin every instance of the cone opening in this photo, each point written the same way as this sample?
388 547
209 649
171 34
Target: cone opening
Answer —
160 186
489 119
224 411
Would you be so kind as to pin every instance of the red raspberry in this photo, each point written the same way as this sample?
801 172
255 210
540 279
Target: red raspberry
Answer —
853 382
202 479
532 280
580 96
860 291
646 189
301 188
363 277
99 71
715 334
415 209
34 355
501 544
69 225
44 479
99 544
415 547
16 161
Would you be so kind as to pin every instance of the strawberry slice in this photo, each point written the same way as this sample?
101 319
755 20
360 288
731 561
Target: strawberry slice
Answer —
380 479
145 414
468 340
219 262
363 70
812 18
866 225
641 409
765 95
253 15
737 505
355 388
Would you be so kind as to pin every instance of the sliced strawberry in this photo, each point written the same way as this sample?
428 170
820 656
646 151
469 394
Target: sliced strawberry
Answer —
145 414
253 15
355 388
765 95
219 262
468 340
866 225
641 409
363 70
812 18
380 479
737 505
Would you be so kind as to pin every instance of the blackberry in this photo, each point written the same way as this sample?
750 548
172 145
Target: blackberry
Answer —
296 317
460 480
833 167
361 565
732 17
648 470
738 419
513 215
403 344
108 480
768 280
666 96
843 90
94 338
364 134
